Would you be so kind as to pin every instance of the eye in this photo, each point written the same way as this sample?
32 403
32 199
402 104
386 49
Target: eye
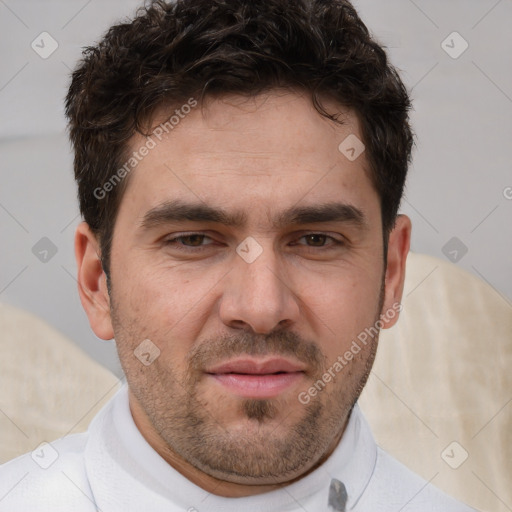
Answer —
187 240
320 240
193 242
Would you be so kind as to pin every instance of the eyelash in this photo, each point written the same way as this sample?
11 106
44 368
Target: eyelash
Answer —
174 242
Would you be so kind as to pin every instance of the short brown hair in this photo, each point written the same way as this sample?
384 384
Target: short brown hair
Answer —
172 51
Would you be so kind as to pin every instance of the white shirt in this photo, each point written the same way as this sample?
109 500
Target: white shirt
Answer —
112 468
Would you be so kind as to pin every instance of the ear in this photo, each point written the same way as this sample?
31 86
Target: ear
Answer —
92 282
398 248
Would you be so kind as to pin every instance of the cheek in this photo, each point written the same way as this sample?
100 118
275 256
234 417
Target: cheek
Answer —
166 304
344 309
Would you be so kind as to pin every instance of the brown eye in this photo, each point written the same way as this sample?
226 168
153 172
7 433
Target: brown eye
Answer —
319 240
316 240
191 240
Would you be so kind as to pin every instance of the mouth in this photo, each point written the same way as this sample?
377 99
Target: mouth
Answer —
257 378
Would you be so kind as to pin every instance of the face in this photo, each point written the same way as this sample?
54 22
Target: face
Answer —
248 250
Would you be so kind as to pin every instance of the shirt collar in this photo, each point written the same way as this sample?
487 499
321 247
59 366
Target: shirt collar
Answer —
126 473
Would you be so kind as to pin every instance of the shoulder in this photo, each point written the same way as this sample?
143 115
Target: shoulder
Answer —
398 488
51 477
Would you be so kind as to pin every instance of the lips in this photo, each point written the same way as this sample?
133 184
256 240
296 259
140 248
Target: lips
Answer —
253 378
257 367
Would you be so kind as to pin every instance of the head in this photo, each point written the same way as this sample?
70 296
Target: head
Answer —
240 167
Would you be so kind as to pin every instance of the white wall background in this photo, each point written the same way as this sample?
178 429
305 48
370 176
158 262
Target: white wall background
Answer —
460 184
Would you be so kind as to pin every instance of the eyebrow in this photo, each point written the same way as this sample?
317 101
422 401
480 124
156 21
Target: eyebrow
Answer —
180 211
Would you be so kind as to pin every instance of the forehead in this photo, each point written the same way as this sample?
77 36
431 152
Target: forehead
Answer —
266 151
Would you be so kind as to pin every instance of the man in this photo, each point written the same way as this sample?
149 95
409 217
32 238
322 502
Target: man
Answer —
240 167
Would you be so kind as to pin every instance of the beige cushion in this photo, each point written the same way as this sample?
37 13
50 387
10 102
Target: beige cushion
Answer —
442 376
48 386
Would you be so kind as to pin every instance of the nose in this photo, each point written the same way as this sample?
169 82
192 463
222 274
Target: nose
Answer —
258 295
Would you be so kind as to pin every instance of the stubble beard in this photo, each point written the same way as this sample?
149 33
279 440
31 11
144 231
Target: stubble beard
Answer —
268 455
